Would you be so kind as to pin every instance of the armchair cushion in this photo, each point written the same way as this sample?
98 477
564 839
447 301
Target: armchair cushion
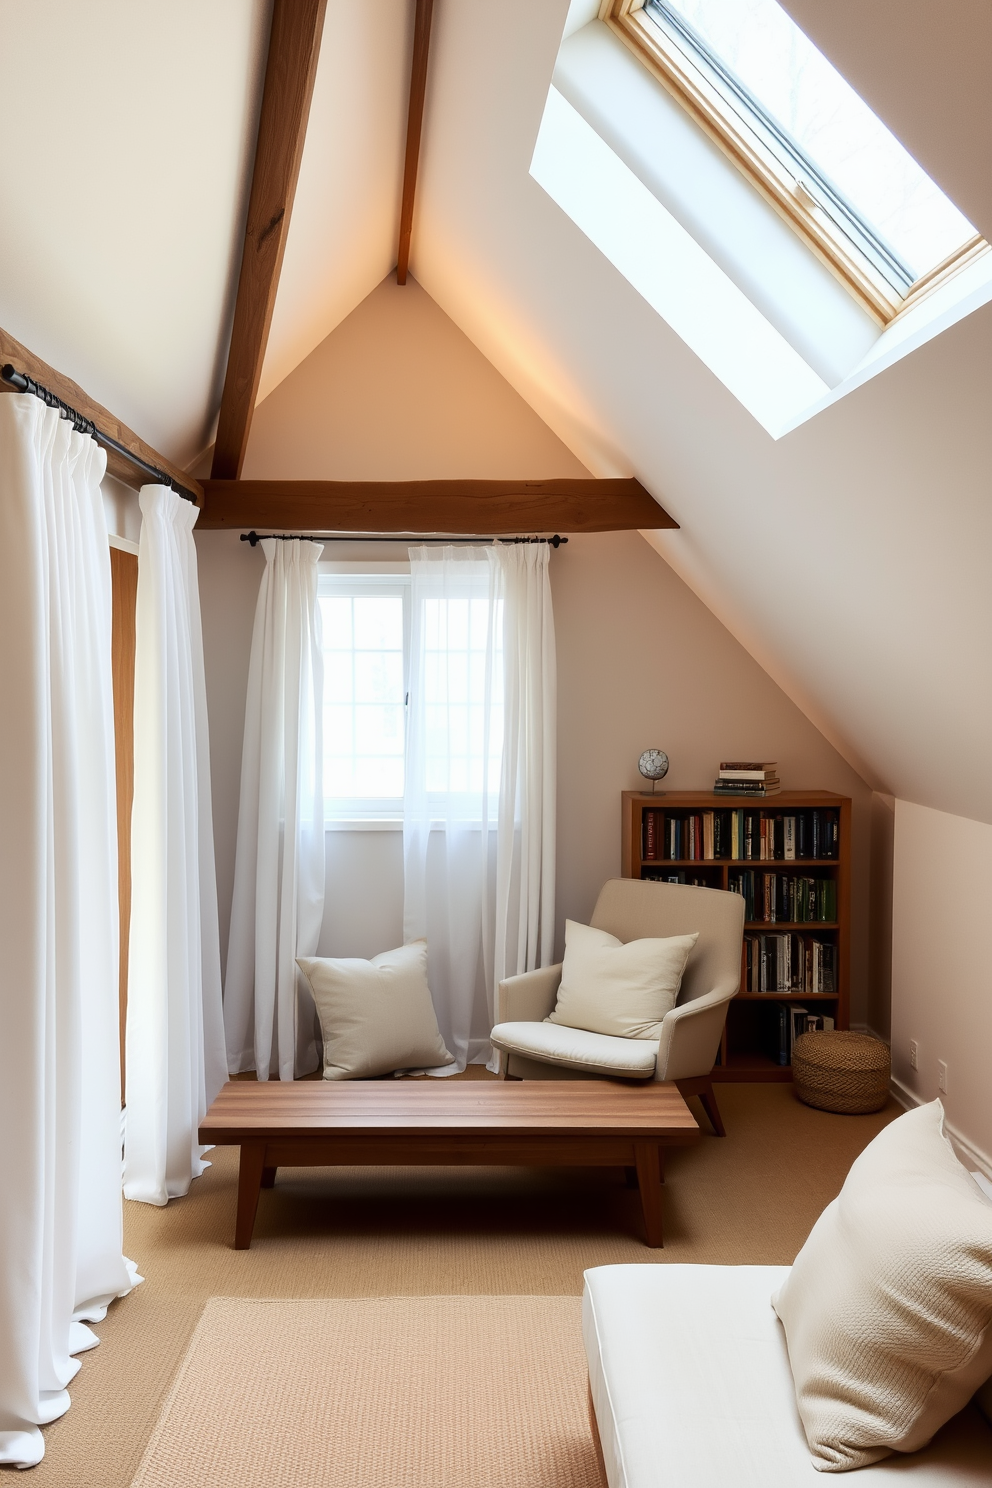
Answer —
596 1053
620 990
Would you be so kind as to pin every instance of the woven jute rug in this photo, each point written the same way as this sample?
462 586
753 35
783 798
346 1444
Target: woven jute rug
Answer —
388 1392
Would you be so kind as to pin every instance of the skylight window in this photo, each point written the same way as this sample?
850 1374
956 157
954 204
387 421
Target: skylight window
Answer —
789 120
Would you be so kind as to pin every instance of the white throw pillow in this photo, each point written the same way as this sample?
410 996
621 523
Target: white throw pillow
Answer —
622 990
888 1308
375 1016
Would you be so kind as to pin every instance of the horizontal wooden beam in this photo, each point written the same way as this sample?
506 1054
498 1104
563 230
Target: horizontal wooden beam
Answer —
456 506
290 69
70 392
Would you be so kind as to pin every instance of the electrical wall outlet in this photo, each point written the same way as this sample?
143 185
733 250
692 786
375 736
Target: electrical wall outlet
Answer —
914 1054
942 1076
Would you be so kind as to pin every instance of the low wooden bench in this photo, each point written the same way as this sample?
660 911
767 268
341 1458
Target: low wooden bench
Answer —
533 1123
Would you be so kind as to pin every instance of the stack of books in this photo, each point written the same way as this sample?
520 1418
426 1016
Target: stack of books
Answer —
747 778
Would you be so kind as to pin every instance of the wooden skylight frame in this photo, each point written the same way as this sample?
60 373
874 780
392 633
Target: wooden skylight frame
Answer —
711 111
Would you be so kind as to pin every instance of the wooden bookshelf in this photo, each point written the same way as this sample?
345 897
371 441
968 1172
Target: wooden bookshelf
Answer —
750 1042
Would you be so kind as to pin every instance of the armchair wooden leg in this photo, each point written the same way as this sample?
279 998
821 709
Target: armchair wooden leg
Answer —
702 1086
504 1068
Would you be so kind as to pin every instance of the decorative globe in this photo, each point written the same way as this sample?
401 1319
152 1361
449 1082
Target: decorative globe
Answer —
653 764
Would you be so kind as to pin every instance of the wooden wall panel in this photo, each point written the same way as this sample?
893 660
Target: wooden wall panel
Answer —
124 580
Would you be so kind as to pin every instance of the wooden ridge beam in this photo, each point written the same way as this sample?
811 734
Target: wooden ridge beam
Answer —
294 45
70 392
486 507
414 126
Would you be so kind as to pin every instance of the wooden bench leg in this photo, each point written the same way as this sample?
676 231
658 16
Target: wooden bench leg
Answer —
249 1185
268 1177
649 1181
630 1177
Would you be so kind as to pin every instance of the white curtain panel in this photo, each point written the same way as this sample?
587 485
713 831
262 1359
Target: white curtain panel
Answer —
175 1061
525 852
60 1214
278 901
479 806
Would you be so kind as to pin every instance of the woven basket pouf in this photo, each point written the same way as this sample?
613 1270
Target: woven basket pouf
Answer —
840 1071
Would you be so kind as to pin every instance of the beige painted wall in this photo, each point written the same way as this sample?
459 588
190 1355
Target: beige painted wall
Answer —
942 966
397 391
643 663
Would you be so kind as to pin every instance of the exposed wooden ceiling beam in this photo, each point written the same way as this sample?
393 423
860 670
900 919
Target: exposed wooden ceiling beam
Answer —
414 125
294 45
70 392
456 506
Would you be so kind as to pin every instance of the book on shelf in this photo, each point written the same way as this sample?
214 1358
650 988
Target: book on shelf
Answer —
723 787
793 1022
759 774
788 962
738 835
675 876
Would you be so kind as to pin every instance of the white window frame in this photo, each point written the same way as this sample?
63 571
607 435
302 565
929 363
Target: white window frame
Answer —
341 578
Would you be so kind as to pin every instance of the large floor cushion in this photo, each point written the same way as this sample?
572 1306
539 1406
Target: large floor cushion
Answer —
692 1388
596 1053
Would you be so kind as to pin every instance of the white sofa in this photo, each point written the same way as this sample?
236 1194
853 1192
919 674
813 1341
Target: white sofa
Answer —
691 1388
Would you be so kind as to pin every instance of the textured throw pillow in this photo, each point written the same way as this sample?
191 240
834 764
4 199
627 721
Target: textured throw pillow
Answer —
375 1016
623 990
888 1309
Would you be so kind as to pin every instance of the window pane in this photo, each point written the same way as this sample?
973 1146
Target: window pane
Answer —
364 715
831 125
338 677
379 623
336 617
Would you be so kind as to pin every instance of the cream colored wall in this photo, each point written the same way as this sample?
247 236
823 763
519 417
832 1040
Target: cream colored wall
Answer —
397 391
643 663
942 967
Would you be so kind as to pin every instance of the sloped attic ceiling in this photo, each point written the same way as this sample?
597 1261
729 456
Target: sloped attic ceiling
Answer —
124 173
850 557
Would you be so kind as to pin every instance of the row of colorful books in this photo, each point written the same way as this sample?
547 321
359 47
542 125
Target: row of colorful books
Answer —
740 836
788 898
789 963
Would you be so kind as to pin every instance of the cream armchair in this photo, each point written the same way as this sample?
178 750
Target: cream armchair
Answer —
631 909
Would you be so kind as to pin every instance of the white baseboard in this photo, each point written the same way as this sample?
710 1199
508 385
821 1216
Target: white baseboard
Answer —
971 1156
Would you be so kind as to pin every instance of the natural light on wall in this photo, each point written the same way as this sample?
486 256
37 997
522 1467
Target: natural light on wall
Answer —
737 181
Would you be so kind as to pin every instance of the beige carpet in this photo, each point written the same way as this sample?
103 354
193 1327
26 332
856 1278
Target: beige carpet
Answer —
414 1232
397 1392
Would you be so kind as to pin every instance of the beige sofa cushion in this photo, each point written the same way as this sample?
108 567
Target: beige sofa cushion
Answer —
596 1053
888 1308
622 990
375 1016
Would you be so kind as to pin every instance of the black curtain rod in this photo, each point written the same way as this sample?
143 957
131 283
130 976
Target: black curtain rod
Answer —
257 537
25 384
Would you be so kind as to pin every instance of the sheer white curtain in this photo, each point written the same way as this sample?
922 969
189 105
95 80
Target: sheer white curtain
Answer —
479 806
525 852
60 1214
278 901
175 1062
